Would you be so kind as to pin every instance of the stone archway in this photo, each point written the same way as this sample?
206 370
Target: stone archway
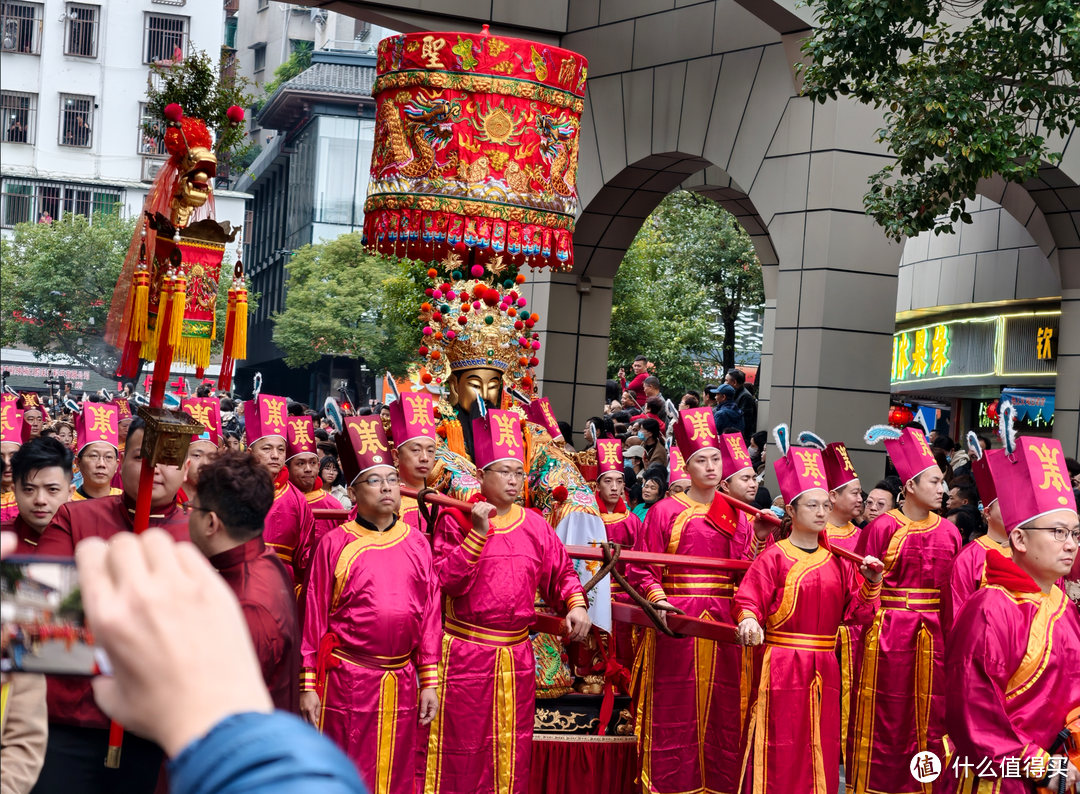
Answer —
702 94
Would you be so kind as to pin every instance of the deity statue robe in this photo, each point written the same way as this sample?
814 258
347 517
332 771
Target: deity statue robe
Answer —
1011 680
624 528
690 701
288 526
794 720
370 641
848 642
900 698
966 575
481 740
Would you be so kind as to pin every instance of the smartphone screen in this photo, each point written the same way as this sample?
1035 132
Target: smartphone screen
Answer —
44 628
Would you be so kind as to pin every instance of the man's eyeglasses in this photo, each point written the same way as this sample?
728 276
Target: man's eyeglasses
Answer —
187 507
94 457
508 475
378 482
1060 533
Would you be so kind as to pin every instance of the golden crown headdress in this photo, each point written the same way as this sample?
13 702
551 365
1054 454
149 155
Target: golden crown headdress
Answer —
478 321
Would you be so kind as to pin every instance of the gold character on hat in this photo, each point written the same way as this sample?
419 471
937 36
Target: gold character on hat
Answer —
367 438
100 420
700 425
809 461
1052 476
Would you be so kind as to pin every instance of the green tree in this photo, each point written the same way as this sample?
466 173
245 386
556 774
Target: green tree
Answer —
344 301
57 283
291 67
689 264
969 90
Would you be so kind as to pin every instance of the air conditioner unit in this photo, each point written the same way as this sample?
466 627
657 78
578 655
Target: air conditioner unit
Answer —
150 168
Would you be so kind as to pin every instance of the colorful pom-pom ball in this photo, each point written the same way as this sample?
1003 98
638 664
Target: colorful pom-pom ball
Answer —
536 345
463 320
559 493
489 319
526 381
429 292
173 111
521 302
235 114
427 330
437 294
508 283
522 361
534 362
435 355
451 295
491 297
478 290
423 350
436 316
438 336
476 305
432 273
451 335
425 306
518 325
523 342
512 311
425 378
530 323
477 271
457 274
445 286
520 278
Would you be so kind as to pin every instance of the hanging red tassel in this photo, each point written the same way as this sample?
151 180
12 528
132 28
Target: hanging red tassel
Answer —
224 381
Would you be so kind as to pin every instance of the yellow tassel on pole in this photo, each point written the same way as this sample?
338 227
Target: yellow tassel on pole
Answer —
239 340
179 299
138 330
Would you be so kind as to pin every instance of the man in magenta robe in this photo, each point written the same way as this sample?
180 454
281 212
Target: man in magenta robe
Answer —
413 428
302 462
968 571
290 521
740 482
1011 657
622 526
13 432
490 572
225 521
41 473
690 703
371 631
900 699
78 729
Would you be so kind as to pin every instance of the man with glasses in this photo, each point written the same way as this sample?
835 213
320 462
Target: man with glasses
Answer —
78 729
97 450
225 520
1011 657
371 626
491 565
413 427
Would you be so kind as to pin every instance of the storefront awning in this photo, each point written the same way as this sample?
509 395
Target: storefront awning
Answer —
1030 403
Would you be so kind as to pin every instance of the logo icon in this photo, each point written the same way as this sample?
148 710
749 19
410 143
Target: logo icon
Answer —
925 767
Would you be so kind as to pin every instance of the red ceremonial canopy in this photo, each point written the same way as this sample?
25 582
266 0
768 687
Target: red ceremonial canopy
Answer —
476 147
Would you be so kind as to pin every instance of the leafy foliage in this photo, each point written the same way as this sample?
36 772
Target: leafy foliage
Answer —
291 67
344 301
205 90
58 281
689 262
969 90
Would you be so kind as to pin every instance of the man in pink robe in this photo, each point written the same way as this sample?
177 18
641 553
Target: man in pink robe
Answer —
740 482
968 571
371 633
413 430
290 522
900 700
622 527
1011 657
13 433
690 703
481 740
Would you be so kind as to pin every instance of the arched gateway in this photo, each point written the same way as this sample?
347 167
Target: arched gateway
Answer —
702 94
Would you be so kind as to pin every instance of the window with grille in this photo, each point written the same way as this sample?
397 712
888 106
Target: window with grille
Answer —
27 200
230 32
260 58
21 23
20 116
81 36
149 143
76 120
166 38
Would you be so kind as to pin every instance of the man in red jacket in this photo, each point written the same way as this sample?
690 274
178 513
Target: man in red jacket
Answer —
637 385
225 520
78 729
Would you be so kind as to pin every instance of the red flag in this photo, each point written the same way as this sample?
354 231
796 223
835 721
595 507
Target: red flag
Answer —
722 516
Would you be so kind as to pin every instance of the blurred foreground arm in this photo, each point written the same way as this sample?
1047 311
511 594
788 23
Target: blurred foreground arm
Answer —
185 674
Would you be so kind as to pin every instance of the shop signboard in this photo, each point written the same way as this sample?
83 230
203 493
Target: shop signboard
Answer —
995 346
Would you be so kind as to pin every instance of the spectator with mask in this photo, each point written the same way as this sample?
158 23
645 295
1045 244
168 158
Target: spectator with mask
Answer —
650 438
727 413
756 447
744 398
